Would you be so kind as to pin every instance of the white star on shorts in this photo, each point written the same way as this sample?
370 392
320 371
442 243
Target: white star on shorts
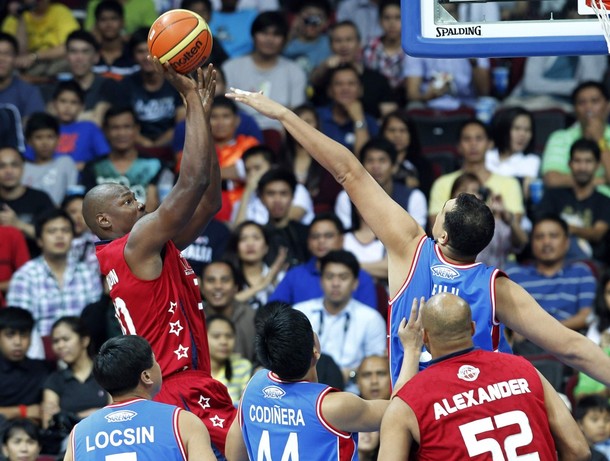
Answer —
175 327
217 422
172 307
204 402
182 352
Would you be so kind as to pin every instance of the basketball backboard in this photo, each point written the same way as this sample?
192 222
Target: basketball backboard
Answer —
471 28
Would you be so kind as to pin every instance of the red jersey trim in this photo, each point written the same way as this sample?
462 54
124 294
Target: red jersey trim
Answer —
276 379
439 255
329 427
177 434
345 449
125 402
411 271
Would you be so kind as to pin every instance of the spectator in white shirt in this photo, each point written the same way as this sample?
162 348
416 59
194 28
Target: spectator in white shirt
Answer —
348 330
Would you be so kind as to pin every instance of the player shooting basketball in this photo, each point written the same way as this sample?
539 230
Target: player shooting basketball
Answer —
154 290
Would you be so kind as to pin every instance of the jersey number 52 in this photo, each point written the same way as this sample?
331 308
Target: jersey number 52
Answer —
478 446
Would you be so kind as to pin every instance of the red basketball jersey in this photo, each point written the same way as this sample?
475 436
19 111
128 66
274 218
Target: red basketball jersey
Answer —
480 405
168 311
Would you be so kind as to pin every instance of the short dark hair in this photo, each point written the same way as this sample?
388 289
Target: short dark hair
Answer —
380 144
138 37
284 342
270 19
223 101
461 179
472 121
12 426
344 257
553 217
277 174
261 149
502 123
586 145
50 215
68 199
330 75
109 5
470 225
590 84
120 362
300 5
345 23
11 40
17 319
40 121
71 86
383 4
84 36
589 403
328 216
115 111
234 272
188 4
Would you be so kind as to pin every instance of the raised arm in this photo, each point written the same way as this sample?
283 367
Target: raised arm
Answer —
211 200
521 313
569 439
153 231
374 205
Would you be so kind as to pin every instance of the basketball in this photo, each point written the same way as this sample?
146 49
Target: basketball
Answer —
182 38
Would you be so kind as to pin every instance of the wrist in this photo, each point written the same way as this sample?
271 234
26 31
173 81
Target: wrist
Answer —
360 124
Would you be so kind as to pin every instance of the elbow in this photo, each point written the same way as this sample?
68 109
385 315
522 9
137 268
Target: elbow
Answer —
582 452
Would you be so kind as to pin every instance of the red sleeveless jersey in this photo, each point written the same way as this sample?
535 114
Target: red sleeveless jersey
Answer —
480 405
168 311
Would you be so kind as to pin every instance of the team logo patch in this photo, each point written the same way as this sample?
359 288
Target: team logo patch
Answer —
468 373
120 416
273 392
445 272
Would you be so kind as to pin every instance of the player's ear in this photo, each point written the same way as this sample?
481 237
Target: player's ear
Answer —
146 378
102 221
473 328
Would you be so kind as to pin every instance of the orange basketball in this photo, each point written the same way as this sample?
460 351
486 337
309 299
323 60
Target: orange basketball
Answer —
182 38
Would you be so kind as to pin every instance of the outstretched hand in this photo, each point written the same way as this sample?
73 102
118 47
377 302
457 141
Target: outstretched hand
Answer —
182 83
259 102
206 87
411 333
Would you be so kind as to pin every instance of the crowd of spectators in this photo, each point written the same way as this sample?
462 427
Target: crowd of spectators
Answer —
80 105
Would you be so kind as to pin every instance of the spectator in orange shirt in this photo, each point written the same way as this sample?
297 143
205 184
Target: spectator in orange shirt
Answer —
230 146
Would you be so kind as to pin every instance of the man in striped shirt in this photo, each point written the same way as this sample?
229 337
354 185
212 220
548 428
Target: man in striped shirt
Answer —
564 289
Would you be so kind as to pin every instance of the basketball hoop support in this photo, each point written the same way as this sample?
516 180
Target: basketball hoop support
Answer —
603 15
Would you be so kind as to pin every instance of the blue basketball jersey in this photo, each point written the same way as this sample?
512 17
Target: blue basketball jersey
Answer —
430 274
281 421
129 431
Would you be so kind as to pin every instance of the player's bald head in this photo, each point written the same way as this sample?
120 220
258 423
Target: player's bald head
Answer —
97 201
447 318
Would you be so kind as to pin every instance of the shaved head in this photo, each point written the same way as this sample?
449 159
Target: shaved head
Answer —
447 321
98 201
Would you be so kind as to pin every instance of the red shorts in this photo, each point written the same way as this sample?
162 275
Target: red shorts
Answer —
202 395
